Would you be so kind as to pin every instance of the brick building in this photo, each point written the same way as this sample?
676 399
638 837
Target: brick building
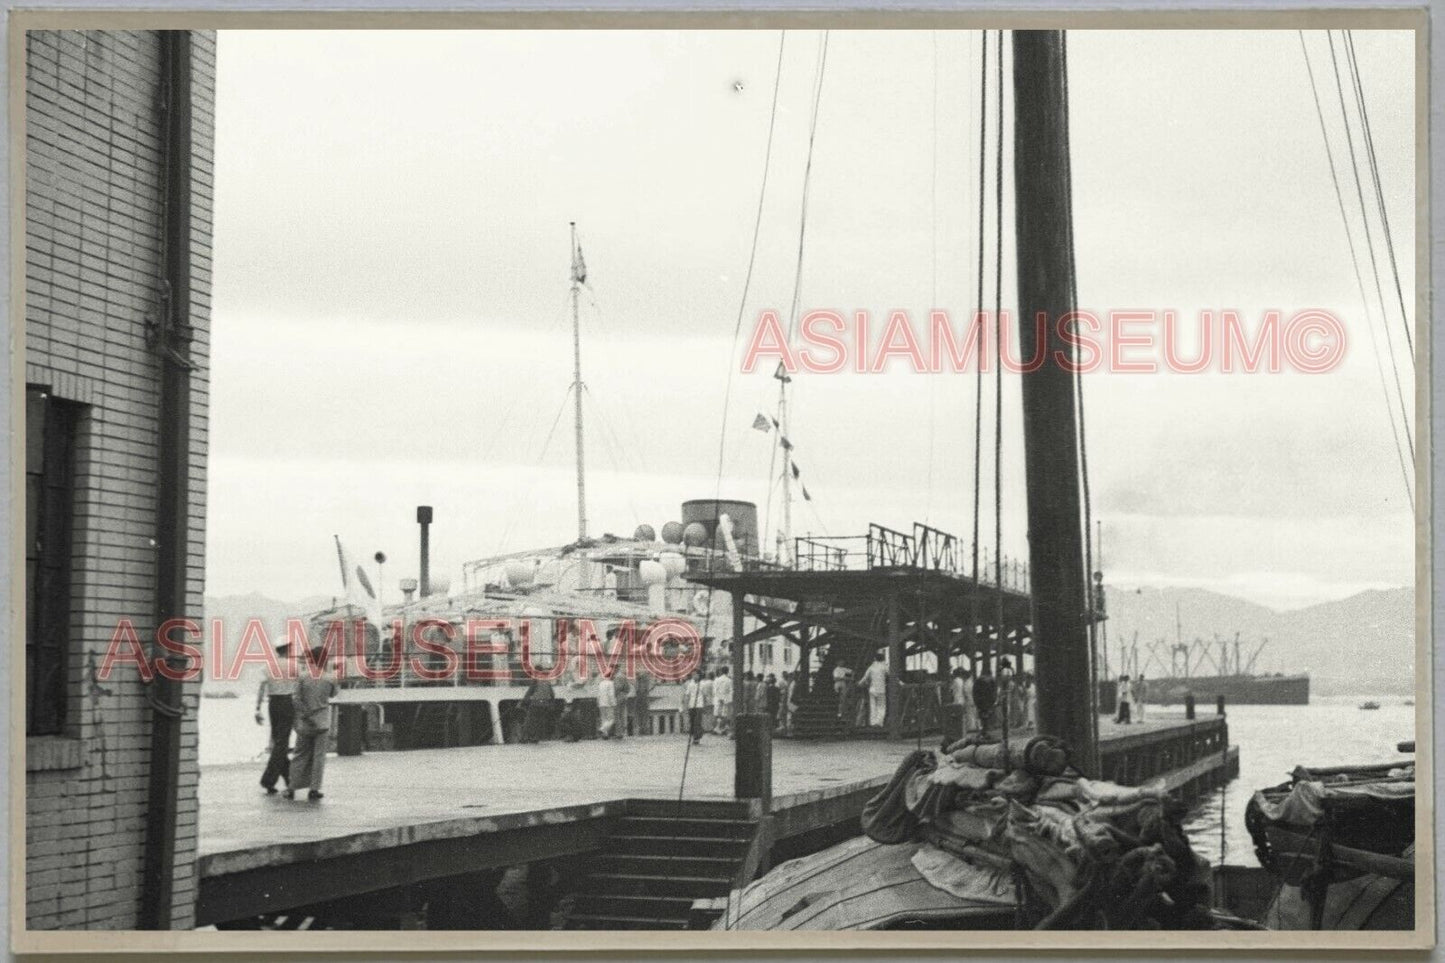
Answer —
107 118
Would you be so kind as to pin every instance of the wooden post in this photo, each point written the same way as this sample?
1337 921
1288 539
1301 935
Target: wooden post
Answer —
1043 230
737 661
895 670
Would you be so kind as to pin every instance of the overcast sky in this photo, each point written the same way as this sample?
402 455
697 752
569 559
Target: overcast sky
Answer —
391 276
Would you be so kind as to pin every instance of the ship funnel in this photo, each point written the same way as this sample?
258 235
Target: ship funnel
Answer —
423 518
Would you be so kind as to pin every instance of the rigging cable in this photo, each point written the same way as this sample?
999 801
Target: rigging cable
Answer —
1369 139
1370 247
794 307
977 322
752 261
998 359
1354 260
737 332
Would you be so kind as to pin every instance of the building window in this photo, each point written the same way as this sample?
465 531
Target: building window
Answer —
50 438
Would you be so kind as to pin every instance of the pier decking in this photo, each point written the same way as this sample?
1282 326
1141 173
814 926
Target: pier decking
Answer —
392 819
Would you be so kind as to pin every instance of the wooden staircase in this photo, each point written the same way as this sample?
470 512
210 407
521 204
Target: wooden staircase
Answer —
661 858
817 715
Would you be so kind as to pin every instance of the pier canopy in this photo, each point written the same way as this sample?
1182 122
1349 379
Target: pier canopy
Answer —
915 595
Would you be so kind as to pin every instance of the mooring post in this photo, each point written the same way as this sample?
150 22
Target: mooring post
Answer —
1043 231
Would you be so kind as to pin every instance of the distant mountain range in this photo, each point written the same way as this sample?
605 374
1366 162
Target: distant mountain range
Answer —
236 611
1361 644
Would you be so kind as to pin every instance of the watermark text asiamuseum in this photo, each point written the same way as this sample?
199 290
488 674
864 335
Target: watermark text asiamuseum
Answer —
1132 341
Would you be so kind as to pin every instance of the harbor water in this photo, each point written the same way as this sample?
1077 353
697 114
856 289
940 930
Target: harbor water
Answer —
1272 740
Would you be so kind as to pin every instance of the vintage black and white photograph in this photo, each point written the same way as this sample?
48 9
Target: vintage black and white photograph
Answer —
958 480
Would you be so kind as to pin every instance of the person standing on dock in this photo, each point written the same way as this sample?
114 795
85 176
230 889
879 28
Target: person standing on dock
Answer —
875 680
536 706
692 706
840 686
1124 696
314 691
276 693
772 701
785 703
1140 691
963 698
722 701
623 689
1027 701
758 696
705 690
985 692
606 706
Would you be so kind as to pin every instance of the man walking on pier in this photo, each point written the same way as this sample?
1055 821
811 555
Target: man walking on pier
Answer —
314 692
276 693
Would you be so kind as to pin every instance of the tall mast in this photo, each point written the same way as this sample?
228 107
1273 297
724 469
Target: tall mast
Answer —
579 274
785 543
1043 232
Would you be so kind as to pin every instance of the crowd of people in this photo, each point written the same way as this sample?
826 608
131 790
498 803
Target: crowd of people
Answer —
299 703
708 699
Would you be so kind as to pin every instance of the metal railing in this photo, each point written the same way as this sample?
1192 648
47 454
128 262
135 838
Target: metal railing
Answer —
925 549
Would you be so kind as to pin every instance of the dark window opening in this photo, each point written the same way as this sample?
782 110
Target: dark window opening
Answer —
51 427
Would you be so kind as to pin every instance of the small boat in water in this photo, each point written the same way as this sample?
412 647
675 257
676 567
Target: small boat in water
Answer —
1367 706
1339 843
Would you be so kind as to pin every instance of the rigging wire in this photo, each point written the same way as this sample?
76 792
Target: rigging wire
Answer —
752 261
1369 139
933 214
513 515
1370 246
794 307
737 332
998 356
1354 260
978 310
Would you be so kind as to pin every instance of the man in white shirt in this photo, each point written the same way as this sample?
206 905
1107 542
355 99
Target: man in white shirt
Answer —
606 706
1140 690
705 688
692 706
722 700
876 681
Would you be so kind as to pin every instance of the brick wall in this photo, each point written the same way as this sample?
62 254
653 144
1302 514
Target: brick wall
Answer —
94 195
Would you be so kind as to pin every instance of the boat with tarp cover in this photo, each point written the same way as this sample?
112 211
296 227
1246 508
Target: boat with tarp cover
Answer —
1340 845
993 835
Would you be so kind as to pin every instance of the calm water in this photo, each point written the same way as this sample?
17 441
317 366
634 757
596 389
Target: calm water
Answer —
1272 740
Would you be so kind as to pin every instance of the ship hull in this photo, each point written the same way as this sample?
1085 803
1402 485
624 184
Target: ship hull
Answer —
1269 690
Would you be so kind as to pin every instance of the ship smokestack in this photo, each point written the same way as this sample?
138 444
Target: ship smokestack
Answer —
423 518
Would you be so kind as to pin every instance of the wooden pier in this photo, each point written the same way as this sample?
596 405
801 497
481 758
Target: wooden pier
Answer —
427 835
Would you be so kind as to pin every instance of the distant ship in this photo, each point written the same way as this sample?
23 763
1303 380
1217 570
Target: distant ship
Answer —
1267 690
1234 677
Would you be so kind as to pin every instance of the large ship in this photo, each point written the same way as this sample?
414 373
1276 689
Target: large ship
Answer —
1187 673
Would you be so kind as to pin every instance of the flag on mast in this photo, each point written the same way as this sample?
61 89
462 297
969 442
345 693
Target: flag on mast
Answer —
761 423
358 587
579 266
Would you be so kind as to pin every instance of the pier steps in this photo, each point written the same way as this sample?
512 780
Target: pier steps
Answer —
661 857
